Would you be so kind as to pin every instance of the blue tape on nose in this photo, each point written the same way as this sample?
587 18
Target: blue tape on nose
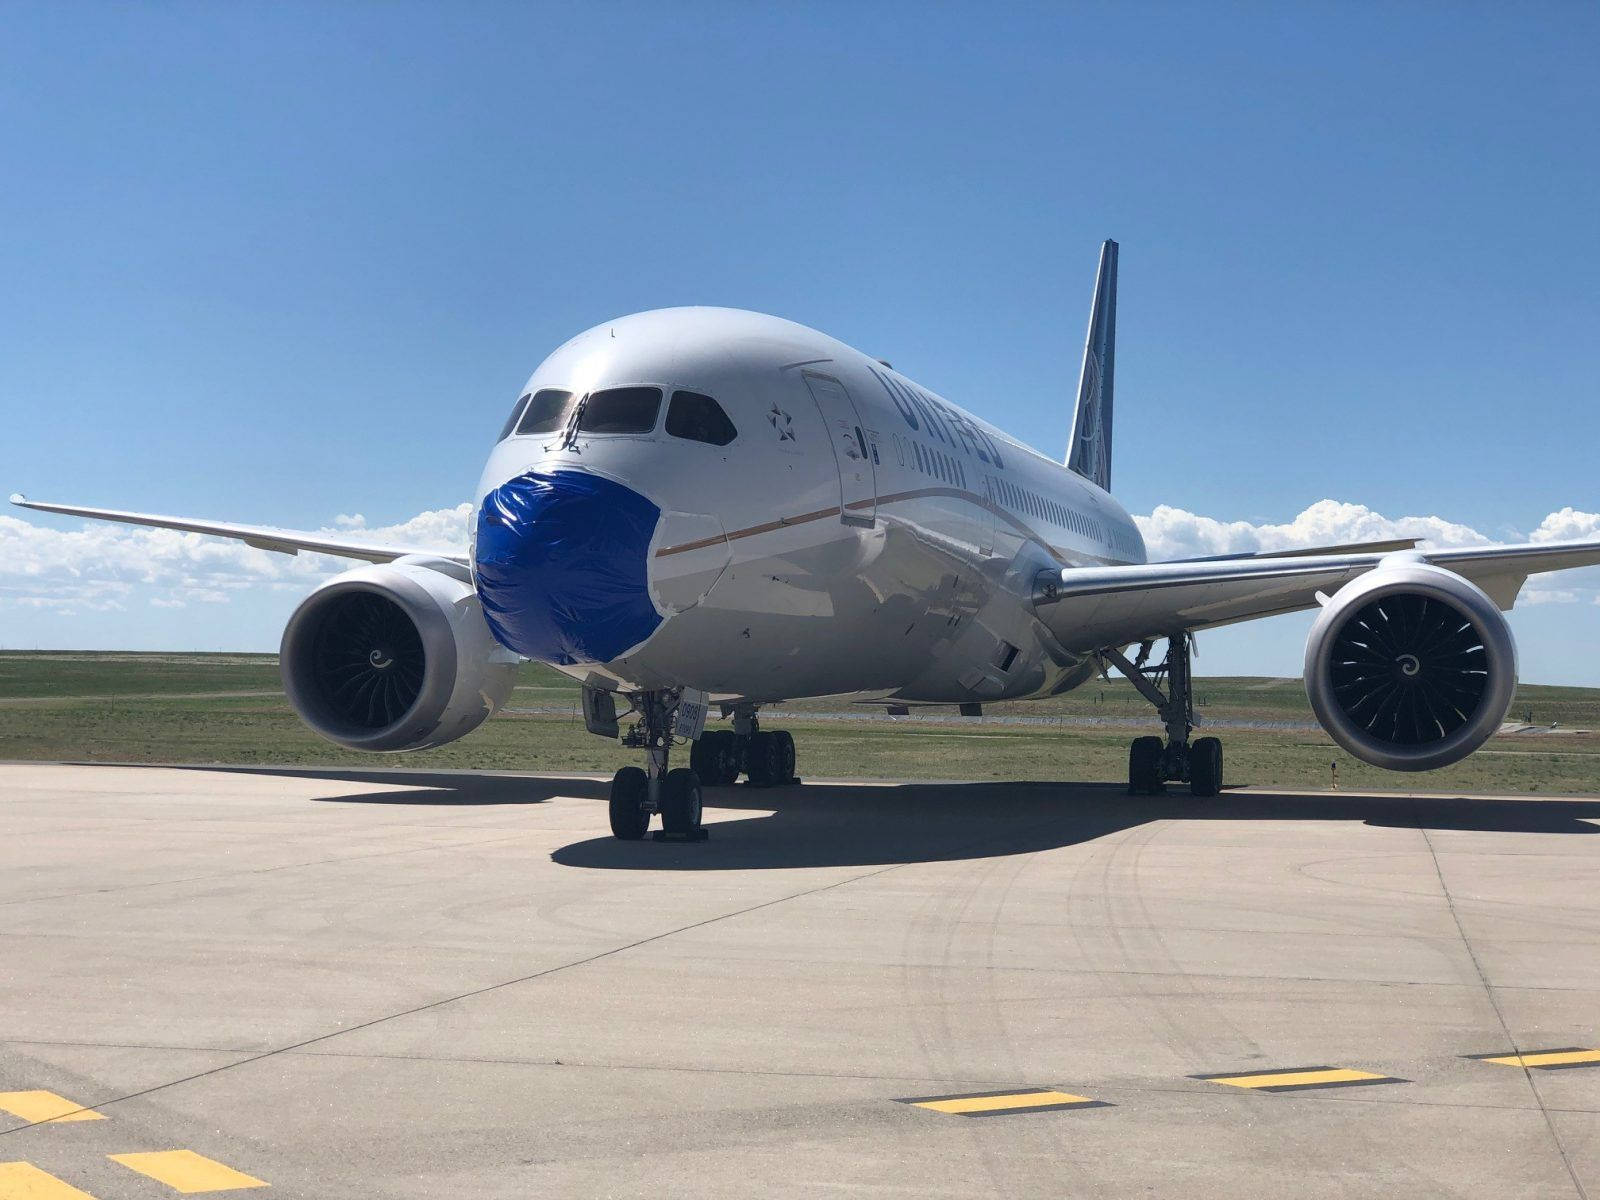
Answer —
562 566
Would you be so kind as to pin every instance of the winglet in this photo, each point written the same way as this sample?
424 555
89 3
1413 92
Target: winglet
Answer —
1089 450
18 498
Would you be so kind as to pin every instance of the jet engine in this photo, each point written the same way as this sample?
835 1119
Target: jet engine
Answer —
394 657
1410 667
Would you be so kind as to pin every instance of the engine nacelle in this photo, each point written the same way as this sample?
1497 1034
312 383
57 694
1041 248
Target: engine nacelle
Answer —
394 657
1410 667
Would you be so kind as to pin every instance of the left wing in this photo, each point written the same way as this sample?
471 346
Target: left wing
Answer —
1088 608
263 537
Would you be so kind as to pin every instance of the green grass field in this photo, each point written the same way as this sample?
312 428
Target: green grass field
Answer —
229 708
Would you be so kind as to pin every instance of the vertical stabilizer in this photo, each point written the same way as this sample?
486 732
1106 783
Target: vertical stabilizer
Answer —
1089 451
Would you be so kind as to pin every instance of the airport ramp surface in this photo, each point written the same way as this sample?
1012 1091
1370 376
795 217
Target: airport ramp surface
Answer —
419 984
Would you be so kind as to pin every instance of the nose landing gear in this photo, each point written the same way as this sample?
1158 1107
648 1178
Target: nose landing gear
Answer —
1152 763
716 759
638 793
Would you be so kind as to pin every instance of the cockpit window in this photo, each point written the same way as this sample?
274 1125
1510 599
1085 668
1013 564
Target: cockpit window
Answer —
511 421
621 410
546 412
699 419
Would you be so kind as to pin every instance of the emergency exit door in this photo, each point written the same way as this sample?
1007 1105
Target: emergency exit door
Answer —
852 450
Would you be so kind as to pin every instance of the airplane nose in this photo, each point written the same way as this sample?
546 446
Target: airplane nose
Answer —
563 566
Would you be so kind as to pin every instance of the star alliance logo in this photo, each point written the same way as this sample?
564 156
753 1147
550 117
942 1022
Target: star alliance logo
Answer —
782 422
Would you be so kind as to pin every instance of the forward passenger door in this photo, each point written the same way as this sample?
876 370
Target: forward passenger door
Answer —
852 450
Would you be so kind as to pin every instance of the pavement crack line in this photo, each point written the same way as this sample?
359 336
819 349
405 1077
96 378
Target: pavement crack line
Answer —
493 987
968 845
1499 1015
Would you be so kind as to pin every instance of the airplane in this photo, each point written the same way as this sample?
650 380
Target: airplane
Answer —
705 508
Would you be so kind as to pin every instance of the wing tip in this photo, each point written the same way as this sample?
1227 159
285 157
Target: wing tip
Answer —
19 498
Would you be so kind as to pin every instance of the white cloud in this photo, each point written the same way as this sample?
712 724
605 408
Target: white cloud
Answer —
97 566
439 529
1567 525
1174 533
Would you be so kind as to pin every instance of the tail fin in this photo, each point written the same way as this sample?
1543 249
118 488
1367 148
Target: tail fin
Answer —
1089 450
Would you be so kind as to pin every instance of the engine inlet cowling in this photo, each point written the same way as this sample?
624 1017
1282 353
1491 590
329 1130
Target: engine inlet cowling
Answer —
394 657
367 662
1410 667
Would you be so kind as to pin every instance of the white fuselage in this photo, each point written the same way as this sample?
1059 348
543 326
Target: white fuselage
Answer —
859 536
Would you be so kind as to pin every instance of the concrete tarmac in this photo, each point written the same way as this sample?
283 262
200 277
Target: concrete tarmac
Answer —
405 984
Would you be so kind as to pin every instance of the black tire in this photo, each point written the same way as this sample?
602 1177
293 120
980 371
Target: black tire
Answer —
1205 767
705 757
716 758
1144 766
731 761
680 801
785 756
763 759
629 787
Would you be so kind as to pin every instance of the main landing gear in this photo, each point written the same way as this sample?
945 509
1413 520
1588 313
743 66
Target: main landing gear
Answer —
767 757
1152 763
638 793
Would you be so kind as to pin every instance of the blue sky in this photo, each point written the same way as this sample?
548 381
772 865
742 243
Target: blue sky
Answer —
279 263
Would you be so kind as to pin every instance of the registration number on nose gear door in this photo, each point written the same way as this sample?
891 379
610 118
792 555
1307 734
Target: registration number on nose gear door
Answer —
691 720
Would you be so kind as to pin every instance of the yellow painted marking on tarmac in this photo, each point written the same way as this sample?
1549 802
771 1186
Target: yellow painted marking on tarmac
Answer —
188 1172
46 1106
969 1106
1548 1058
1297 1078
24 1181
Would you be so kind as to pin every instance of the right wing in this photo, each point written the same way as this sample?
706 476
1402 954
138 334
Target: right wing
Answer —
1088 608
1383 547
262 537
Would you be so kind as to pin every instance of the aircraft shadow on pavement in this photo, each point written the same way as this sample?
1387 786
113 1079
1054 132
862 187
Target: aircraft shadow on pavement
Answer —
828 824
867 824
446 788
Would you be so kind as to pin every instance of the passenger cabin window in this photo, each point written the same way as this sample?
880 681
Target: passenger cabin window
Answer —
699 418
621 410
546 412
511 421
